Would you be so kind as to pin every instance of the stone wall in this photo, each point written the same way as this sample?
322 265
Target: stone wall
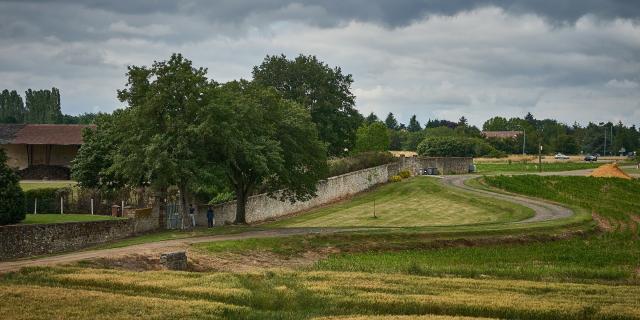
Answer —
18 241
262 208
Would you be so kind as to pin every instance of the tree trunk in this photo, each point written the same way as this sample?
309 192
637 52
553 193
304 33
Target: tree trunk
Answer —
241 204
186 221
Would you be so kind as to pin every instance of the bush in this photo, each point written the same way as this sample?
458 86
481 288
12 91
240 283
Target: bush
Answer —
456 147
222 197
404 174
11 195
395 179
48 200
358 162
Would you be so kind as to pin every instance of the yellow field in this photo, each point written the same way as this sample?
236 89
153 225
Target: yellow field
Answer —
75 293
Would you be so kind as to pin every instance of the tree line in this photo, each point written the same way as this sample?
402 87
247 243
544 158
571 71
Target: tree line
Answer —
553 135
180 129
38 106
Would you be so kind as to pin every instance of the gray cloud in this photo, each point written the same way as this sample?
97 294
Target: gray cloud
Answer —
448 58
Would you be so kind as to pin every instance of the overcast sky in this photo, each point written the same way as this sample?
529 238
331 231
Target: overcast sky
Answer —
570 60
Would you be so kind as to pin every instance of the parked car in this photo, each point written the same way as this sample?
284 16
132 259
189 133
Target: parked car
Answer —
561 156
591 157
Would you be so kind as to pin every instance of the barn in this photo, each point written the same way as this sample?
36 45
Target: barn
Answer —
41 151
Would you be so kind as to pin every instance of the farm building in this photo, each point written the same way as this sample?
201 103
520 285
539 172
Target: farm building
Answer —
41 151
501 134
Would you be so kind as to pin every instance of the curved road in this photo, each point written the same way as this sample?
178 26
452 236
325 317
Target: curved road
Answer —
543 211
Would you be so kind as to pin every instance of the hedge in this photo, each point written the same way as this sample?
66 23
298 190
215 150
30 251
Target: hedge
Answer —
456 147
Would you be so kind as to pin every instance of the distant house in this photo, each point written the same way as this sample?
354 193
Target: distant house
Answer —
41 151
501 134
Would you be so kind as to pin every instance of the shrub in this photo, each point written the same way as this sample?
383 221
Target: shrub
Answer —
11 195
358 162
48 200
456 147
395 179
404 174
222 197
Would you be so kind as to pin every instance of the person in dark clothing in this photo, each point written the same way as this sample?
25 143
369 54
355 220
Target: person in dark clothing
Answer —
210 217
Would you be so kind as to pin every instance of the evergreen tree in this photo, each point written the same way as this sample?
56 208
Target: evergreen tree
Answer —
391 122
414 125
371 118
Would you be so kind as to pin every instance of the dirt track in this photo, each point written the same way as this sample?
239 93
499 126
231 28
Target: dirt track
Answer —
543 211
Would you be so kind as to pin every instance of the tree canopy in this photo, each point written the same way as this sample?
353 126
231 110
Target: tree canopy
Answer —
372 137
12 206
270 143
323 90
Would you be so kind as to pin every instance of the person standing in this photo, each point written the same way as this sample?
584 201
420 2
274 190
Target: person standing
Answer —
210 217
192 215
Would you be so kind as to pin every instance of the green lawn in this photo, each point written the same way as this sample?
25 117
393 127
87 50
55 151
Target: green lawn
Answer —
58 218
415 202
36 184
533 167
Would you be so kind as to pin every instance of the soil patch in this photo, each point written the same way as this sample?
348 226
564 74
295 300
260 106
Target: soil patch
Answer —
603 223
610 170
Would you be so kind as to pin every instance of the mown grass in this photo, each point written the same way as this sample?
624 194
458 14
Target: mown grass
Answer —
416 202
60 218
533 167
44 293
31 185
613 255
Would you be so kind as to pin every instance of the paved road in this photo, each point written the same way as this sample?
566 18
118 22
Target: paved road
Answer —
543 211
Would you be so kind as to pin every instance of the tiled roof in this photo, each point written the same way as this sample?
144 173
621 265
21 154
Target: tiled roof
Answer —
8 132
501 134
55 134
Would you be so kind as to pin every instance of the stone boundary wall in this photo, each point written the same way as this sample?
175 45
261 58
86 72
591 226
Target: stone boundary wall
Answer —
25 240
262 208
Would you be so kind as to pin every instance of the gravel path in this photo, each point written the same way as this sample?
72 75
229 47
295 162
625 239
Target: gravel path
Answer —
543 211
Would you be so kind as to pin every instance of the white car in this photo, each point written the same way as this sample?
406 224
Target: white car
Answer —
561 156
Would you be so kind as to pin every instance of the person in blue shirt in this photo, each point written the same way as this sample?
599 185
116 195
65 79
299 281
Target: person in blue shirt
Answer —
210 217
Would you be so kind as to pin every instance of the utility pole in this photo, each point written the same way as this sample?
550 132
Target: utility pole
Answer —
540 157
604 151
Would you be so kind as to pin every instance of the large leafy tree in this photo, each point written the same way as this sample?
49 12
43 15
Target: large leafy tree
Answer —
269 143
373 137
323 90
12 206
158 137
92 166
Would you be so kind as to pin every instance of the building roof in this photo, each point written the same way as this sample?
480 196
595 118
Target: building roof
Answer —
54 134
501 134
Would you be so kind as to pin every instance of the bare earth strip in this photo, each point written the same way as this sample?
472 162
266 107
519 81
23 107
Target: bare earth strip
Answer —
543 211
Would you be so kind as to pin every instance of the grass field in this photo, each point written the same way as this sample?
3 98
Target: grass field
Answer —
483 167
38 184
109 294
496 270
59 218
416 202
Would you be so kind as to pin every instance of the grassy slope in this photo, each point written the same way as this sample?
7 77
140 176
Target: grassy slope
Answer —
417 202
612 256
59 218
533 167
85 293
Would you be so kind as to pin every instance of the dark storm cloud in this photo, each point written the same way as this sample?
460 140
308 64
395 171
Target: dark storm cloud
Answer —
444 58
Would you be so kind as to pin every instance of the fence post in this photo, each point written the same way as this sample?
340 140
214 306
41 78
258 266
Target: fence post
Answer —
92 206
122 208
35 206
61 205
